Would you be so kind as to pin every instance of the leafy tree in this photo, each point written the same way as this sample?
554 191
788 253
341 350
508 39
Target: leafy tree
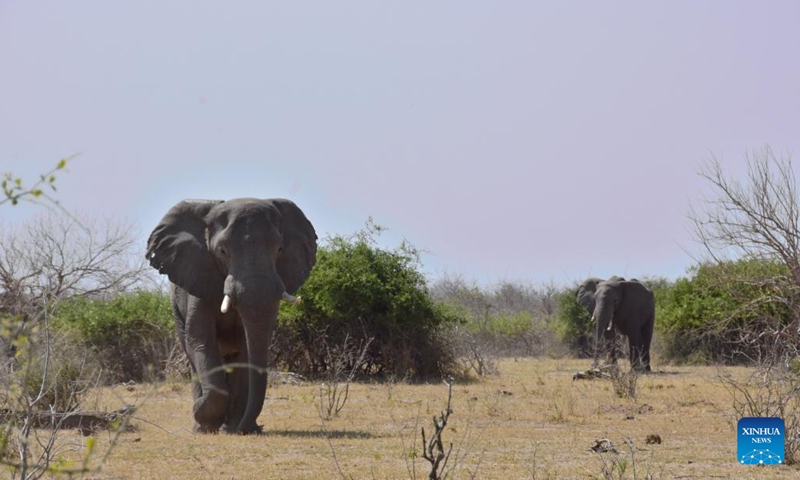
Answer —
358 291
722 310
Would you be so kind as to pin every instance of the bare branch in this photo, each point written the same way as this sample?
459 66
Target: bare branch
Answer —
51 258
758 219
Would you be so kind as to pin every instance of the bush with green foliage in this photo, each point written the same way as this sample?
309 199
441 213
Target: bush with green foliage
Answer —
359 291
504 324
508 319
132 334
574 324
705 317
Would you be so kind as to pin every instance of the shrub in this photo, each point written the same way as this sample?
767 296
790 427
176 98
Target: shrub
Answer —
575 327
361 292
60 377
43 384
748 303
721 312
509 319
132 334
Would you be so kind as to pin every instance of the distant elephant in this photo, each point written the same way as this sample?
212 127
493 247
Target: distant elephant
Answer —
629 307
586 297
230 264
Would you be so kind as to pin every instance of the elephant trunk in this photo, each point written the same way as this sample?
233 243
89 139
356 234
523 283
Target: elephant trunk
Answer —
258 334
258 310
603 315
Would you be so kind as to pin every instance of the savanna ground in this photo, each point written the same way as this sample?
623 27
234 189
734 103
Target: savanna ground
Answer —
530 421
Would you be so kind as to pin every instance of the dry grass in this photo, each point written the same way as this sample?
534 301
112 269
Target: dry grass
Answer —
531 421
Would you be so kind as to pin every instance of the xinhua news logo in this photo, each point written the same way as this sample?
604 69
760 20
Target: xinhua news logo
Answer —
761 441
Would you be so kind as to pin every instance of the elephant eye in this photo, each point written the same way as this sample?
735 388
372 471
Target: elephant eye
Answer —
222 251
280 249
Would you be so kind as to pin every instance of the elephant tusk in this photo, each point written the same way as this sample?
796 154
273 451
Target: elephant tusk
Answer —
290 298
592 318
226 303
609 326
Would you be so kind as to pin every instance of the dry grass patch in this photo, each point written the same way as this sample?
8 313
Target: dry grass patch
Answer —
531 421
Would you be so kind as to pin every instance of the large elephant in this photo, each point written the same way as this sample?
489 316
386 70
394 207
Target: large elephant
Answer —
628 307
230 264
585 295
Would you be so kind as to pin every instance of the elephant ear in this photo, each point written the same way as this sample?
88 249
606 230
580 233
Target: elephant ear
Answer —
299 245
586 293
178 248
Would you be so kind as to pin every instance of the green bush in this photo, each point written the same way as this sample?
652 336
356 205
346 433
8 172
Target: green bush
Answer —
725 293
359 291
42 369
131 334
503 324
574 324
704 316
506 319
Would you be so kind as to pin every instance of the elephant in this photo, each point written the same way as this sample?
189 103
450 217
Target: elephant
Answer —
230 263
585 295
628 307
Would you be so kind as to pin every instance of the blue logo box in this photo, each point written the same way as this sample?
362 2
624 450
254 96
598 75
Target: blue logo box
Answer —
761 441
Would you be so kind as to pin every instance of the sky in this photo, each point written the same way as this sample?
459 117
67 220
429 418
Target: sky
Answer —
510 141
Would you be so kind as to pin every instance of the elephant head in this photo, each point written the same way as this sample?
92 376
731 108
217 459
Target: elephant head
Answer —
587 291
608 296
238 257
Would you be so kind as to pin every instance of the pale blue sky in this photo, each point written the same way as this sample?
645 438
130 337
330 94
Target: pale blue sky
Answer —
511 140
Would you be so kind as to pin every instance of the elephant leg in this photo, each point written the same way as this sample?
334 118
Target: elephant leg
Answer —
613 349
635 346
201 348
197 392
180 330
647 337
197 389
238 385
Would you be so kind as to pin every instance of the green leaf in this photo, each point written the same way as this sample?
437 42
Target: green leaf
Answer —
61 164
